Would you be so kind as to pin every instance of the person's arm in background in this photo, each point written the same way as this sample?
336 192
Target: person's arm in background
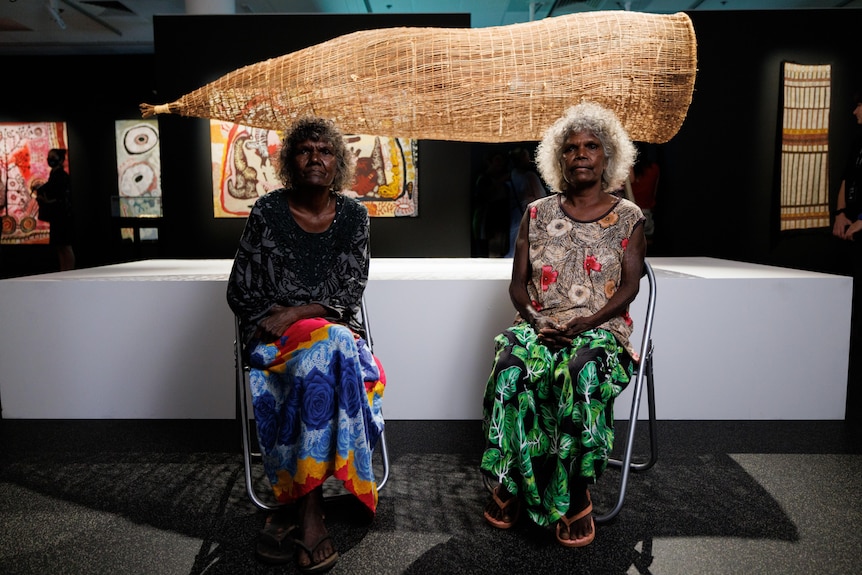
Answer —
535 189
842 222
846 225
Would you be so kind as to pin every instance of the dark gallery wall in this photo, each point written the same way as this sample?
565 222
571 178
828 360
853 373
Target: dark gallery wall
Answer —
89 93
719 193
192 51
718 190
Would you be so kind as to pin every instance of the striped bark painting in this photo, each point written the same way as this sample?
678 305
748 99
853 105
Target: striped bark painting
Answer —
805 147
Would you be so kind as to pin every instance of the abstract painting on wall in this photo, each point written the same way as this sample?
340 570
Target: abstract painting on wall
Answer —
138 170
805 147
24 166
244 168
386 176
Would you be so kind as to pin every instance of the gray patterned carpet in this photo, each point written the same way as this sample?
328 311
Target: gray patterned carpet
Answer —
169 497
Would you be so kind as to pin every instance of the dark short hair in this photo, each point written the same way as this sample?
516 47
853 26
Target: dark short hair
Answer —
316 130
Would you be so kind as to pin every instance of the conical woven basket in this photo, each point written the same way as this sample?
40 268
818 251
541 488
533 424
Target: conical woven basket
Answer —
497 84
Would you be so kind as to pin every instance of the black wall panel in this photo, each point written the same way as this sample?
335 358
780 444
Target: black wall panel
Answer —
89 93
718 190
192 51
720 178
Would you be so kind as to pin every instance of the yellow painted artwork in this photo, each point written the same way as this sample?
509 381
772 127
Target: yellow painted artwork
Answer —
244 168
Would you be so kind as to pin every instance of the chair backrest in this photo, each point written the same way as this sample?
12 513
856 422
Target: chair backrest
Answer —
366 323
646 338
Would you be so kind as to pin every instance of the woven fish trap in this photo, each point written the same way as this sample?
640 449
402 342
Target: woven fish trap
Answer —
497 84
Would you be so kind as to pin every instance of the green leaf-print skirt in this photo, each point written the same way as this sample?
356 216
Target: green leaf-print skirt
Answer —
548 416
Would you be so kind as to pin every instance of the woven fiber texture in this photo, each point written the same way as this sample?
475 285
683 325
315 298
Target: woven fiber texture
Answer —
497 84
805 146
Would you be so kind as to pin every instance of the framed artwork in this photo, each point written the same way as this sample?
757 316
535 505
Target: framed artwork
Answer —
138 168
386 175
244 168
139 176
24 166
805 146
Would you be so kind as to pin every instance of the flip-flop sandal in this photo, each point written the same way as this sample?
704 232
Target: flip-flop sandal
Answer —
583 541
275 542
320 566
504 505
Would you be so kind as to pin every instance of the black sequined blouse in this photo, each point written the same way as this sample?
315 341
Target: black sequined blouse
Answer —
280 263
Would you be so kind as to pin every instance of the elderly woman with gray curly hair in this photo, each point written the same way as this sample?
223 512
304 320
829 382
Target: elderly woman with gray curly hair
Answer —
548 404
296 286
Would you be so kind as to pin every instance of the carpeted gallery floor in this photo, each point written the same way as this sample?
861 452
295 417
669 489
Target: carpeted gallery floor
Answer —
168 497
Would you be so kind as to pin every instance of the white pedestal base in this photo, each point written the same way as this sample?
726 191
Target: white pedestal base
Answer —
154 339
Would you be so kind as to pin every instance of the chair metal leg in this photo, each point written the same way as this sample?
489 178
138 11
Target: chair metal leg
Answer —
653 431
381 443
644 375
384 453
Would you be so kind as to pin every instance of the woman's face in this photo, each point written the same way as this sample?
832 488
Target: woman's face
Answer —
314 164
583 159
857 111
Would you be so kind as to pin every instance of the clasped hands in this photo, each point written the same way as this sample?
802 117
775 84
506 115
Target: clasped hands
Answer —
276 323
559 335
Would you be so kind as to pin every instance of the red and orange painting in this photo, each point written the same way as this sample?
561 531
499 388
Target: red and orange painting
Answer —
23 167
243 169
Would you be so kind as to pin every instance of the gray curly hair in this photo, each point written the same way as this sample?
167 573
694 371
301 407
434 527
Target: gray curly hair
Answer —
316 130
619 150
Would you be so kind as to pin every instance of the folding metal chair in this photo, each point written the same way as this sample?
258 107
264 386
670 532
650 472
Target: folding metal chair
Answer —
242 388
643 376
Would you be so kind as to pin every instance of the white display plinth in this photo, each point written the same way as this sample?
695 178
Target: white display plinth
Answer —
154 339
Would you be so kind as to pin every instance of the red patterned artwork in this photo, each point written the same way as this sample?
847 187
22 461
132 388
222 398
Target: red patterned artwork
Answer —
23 166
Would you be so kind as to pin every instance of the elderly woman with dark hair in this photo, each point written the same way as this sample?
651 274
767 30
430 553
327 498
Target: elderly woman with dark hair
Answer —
548 405
296 285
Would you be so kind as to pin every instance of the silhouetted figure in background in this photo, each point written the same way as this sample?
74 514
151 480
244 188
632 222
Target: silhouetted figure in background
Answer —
55 207
848 224
491 207
644 186
526 188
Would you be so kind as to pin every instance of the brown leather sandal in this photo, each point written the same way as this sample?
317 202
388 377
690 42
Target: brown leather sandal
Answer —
275 540
503 506
583 541
321 566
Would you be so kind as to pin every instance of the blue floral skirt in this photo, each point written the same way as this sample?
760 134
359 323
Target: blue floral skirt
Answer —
317 395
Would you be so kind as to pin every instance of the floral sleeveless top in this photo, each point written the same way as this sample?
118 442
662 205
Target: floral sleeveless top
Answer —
577 265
